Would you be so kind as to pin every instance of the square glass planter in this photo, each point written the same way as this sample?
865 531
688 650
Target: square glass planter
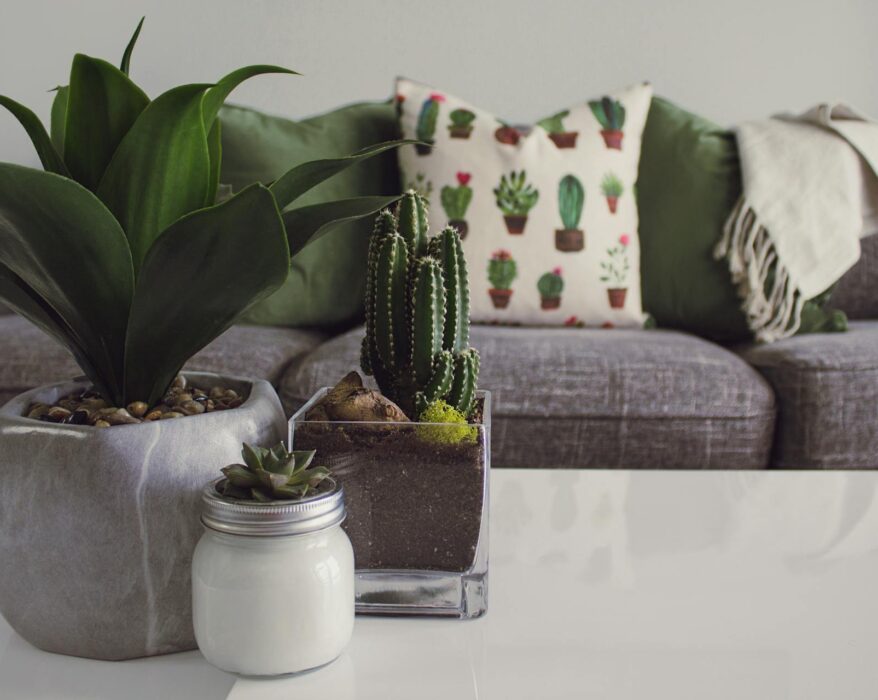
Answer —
417 502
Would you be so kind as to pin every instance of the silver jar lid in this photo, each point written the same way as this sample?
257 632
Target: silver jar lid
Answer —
278 518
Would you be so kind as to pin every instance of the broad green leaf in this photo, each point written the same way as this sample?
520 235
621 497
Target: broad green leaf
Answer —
297 181
215 153
252 457
34 127
161 170
26 302
238 475
306 224
125 66
65 246
201 274
59 117
102 106
217 94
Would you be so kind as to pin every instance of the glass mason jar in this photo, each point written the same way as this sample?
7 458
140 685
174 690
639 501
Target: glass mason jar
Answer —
273 583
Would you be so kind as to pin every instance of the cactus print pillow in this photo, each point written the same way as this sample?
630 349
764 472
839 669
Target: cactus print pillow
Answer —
548 215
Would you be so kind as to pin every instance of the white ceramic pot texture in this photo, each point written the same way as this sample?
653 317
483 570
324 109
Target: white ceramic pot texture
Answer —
98 525
265 606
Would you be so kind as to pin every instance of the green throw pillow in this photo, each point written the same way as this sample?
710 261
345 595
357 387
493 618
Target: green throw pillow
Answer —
327 280
688 184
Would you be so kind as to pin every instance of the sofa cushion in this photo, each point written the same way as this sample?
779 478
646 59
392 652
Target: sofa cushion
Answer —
598 398
29 358
827 394
548 218
857 292
259 148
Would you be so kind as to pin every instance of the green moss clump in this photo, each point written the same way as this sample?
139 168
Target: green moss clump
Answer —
441 412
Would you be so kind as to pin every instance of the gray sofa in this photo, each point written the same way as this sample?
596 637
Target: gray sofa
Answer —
598 398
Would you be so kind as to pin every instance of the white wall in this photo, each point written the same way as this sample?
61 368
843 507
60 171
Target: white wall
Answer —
523 59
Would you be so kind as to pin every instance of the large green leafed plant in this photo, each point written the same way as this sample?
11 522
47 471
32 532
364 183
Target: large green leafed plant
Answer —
120 250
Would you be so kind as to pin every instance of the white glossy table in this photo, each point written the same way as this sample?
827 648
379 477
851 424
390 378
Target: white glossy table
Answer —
604 584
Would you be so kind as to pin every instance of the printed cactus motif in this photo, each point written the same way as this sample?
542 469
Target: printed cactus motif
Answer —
455 202
515 198
554 127
502 271
550 286
612 188
426 127
461 125
417 313
571 199
610 114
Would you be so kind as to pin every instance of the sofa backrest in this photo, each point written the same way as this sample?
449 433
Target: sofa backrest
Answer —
857 292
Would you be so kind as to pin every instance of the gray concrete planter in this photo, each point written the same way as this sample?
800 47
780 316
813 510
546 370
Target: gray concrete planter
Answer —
97 526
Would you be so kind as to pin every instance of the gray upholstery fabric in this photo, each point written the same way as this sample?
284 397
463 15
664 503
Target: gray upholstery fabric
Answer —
29 358
857 292
827 394
598 398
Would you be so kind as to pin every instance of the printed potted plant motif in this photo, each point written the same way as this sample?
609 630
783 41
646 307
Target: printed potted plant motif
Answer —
515 198
421 185
455 201
550 286
616 272
554 127
571 199
611 115
508 135
461 125
612 188
426 127
502 271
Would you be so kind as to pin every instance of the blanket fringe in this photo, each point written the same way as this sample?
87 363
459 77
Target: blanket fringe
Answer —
773 310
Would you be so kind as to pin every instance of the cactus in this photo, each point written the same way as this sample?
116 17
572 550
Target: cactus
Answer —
571 198
551 284
554 124
461 125
271 475
426 127
514 196
502 270
610 113
456 200
417 313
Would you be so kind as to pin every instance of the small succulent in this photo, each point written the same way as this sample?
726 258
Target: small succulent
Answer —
272 474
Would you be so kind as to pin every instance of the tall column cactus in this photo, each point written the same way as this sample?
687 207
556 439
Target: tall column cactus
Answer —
417 313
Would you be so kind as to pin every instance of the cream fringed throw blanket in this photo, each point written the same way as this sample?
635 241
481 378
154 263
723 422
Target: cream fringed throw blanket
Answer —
810 194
